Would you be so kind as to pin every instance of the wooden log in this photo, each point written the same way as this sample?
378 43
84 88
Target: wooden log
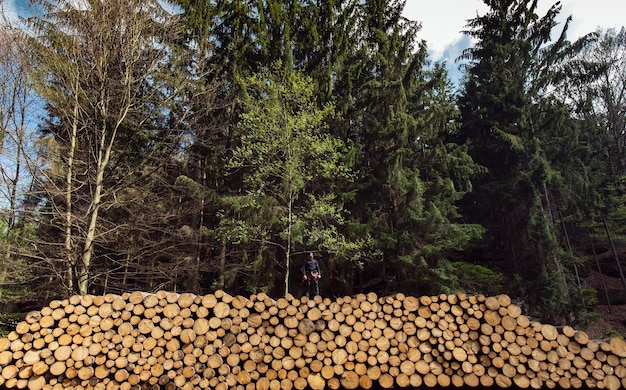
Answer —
617 347
492 317
240 343
492 303
611 382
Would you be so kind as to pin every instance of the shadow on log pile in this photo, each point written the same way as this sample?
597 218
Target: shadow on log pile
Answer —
218 341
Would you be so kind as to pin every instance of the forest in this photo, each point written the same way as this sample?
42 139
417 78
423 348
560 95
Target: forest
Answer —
197 146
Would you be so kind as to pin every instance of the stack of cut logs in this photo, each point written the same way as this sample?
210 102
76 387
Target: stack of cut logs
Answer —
218 341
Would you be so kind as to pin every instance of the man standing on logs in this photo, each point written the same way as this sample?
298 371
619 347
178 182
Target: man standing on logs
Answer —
310 275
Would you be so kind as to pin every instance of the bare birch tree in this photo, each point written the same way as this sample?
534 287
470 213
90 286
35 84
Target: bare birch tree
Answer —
97 66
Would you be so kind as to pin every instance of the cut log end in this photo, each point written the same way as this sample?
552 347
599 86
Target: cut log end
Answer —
171 340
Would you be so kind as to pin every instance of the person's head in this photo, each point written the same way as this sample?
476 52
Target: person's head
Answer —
310 255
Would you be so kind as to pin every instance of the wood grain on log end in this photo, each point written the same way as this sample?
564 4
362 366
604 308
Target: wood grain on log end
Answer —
219 341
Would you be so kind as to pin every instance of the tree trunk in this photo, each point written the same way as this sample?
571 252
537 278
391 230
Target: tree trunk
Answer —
617 260
221 281
11 218
104 155
595 258
69 179
288 251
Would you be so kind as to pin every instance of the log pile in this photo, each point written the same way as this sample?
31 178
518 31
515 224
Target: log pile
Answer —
218 341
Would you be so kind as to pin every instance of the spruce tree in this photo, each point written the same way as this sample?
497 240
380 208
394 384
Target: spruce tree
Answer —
398 109
507 125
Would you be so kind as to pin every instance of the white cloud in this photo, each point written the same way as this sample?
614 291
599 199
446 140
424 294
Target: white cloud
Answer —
443 20
588 15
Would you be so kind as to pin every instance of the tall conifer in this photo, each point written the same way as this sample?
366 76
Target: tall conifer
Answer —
505 124
398 109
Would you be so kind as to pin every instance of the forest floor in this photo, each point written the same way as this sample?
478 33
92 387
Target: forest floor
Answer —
611 321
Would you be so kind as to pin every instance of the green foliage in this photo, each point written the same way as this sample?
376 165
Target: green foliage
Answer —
289 163
192 188
399 111
511 128
323 126
611 333
8 322
477 279
563 297
614 206
17 268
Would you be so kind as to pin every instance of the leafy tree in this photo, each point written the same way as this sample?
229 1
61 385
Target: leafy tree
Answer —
219 50
179 161
322 39
599 107
606 97
308 36
287 156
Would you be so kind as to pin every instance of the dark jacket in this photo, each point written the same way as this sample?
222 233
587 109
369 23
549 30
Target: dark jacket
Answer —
310 265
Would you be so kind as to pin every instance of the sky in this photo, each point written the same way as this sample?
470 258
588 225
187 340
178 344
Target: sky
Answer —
442 20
